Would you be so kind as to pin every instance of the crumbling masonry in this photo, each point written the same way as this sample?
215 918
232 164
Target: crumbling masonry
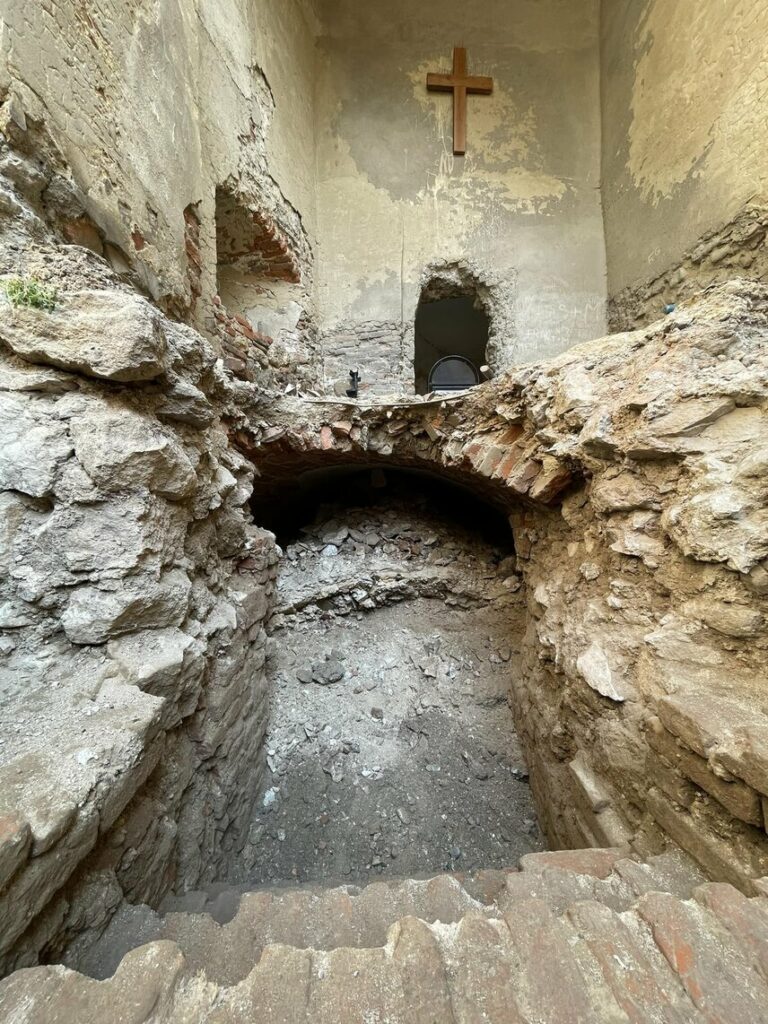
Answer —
385 763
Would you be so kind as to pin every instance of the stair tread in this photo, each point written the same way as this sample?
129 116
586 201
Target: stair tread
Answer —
664 961
224 938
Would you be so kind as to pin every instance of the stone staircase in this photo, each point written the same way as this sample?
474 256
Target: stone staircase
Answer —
575 936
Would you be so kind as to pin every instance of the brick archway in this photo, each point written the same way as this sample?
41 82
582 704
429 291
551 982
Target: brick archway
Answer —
497 456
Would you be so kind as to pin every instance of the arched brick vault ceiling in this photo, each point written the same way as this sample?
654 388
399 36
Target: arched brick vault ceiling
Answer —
472 439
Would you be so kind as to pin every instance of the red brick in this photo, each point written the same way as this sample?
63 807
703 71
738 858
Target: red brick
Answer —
697 953
624 966
508 463
521 478
596 863
491 461
746 920
549 484
326 438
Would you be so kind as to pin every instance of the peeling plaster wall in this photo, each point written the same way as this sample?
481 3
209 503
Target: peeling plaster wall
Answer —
685 150
522 209
153 105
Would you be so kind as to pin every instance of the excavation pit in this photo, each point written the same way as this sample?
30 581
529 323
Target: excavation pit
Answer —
391 747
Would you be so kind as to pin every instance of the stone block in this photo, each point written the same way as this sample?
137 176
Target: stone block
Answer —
142 988
628 966
595 669
735 796
164 662
15 843
696 953
594 863
725 730
689 417
725 848
550 482
95 615
120 449
522 476
625 492
112 335
31 792
587 784
33 448
745 919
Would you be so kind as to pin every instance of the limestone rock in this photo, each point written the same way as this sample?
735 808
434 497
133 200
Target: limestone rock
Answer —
121 449
595 669
185 403
164 662
624 492
106 334
15 840
94 615
728 618
690 417
33 448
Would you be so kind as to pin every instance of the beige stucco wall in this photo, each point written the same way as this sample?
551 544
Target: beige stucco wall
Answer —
685 107
151 103
522 208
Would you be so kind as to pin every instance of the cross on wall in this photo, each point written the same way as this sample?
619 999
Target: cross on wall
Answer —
461 85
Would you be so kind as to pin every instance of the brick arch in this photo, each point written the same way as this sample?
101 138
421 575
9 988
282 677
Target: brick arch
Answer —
498 458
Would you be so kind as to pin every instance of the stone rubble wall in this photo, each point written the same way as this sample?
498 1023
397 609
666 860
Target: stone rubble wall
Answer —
633 470
227 101
734 249
134 596
375 349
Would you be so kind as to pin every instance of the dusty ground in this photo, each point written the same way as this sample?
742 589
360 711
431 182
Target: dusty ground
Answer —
391 747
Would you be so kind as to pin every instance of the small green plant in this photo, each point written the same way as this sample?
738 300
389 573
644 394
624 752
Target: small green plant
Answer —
28 291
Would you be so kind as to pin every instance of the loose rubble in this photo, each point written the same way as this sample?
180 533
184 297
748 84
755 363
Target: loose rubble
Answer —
391 746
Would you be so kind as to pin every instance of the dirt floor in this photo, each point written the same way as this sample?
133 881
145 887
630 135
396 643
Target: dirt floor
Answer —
391 748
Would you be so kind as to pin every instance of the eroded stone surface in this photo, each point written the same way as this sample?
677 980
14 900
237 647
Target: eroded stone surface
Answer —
417 952
109 335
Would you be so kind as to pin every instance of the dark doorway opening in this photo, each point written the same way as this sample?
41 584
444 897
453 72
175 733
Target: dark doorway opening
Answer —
454 326
286 512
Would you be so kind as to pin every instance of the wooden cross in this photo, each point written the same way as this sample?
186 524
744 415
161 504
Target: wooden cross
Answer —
460 83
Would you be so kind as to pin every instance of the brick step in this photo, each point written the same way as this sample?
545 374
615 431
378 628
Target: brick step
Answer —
663 960
222 931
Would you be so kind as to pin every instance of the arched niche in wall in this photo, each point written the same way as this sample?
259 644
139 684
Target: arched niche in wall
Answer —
459 313
257 268
450 343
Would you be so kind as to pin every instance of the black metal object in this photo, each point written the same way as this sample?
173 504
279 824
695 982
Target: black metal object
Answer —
453 373
354 383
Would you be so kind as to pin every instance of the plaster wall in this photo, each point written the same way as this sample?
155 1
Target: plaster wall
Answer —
685 152
521 210
152 105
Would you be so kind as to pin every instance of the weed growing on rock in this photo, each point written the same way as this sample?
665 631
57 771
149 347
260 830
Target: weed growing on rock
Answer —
28 291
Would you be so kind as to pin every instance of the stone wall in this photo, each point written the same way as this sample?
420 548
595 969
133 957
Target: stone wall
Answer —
521 211
135 592
154 109
633 470
684 179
